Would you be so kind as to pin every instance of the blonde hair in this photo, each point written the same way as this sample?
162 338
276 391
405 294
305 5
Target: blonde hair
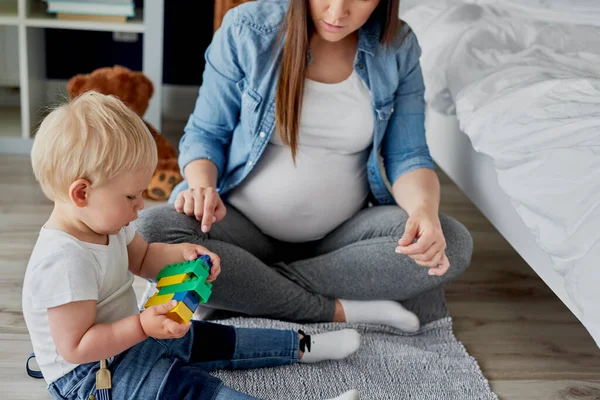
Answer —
94 137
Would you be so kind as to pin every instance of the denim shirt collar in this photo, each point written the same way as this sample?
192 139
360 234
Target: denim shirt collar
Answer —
368 37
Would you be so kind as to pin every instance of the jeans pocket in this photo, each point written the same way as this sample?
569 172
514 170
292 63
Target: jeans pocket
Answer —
67 389
78 384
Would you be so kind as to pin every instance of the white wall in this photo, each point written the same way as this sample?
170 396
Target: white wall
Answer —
9 59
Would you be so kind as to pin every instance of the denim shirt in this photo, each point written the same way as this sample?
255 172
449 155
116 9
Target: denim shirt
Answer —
234 115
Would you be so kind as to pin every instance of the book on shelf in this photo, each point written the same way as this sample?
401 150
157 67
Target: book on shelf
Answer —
113 8
94 1
91 18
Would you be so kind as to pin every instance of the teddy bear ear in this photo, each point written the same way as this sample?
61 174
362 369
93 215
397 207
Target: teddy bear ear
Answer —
75 85
141 91
145 85
119 69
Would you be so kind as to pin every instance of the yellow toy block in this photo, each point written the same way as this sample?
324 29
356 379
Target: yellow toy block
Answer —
172 280
156 299
180 313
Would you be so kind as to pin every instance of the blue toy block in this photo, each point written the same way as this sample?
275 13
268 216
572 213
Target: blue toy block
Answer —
199 286
189 298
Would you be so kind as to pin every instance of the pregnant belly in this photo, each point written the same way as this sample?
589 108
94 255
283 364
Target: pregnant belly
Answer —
306 201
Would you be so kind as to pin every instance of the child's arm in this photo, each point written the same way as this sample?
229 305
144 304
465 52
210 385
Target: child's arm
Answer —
79 340
146 260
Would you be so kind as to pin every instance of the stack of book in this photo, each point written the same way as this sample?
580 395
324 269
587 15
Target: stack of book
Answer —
92 10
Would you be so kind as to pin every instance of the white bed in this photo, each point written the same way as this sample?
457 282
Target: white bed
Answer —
513 88
475 175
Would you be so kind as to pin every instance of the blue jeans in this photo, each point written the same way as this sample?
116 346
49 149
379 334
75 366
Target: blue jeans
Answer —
178 368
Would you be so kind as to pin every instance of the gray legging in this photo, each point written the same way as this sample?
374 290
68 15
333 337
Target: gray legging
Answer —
298 282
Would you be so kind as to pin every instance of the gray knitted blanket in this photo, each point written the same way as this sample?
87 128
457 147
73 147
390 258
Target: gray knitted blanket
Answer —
431 364
390 364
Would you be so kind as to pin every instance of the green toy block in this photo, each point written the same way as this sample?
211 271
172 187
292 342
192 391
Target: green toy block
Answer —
202 288
197 267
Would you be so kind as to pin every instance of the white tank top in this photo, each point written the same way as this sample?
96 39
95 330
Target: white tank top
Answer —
328 184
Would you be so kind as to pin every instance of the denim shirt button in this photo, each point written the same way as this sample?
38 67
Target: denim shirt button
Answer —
250 163
360 66
262 135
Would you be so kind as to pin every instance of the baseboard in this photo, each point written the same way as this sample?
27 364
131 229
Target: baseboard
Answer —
177 103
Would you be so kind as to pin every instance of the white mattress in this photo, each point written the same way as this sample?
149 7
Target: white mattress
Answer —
525 88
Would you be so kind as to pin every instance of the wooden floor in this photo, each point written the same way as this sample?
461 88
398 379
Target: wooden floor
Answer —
527 342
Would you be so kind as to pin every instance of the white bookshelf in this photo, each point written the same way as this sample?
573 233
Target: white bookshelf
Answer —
29 18
9 12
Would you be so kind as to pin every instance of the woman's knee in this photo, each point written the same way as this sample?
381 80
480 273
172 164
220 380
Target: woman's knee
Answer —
381 221
459 246
164 224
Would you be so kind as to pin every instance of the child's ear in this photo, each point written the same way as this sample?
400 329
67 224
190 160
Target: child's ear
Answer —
78 192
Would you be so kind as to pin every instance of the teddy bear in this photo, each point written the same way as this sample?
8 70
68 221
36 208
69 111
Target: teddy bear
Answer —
135 90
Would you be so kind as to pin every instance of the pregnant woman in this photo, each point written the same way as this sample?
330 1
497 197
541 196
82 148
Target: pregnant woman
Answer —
301 103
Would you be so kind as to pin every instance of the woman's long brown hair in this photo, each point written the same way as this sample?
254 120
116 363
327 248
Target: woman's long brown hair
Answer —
296 32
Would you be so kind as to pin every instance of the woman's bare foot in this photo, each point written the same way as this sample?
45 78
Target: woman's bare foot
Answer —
339 315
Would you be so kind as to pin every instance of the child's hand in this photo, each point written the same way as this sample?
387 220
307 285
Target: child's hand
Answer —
156 324
192 251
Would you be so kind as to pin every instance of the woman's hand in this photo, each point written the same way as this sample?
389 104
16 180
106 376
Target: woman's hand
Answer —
192 251
203 203
429 248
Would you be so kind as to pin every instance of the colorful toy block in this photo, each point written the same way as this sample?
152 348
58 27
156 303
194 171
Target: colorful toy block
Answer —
189 298
180 313
172 280
156 300
186 283
202 289
199 268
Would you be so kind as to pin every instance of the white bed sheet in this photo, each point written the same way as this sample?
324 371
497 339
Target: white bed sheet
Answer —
474 173
525 88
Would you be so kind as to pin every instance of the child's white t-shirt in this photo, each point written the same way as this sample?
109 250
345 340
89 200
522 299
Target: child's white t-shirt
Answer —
63 269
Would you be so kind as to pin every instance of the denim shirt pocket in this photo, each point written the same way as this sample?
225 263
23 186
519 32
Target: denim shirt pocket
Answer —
249 109
383 113
384 109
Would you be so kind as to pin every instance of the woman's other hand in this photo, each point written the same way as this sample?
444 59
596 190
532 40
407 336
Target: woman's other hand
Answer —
428 250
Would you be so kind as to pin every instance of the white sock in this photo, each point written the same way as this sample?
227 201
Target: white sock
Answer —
349 395
384 312
330 346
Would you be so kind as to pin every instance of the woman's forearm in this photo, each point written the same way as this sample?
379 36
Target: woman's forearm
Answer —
418 190
201 174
